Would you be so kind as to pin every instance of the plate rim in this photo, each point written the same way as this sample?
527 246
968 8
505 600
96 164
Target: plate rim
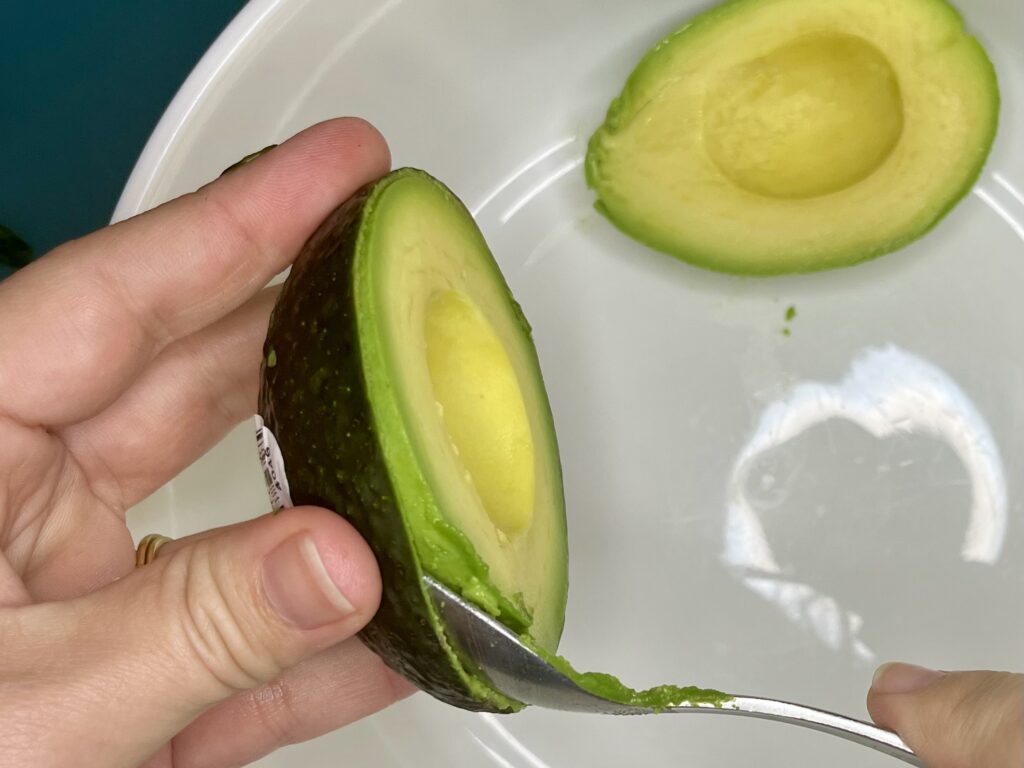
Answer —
193 90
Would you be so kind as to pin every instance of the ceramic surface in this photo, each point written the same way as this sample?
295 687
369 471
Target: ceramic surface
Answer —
762 513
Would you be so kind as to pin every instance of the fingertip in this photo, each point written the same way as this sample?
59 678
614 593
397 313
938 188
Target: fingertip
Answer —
952 718
359 133
349 561
341 149
271 205
880 709
880 674
898 677
890 686
346 556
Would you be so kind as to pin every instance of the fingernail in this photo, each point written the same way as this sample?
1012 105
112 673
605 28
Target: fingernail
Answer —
896 677
299 586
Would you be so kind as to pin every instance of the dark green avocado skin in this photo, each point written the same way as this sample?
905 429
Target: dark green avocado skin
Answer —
313 398
14 252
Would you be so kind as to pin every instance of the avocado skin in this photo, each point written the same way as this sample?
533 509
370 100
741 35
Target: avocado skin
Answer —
248 159
314 401
14 252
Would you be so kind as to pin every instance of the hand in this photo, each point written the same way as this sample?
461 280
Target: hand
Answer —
124 356
955 719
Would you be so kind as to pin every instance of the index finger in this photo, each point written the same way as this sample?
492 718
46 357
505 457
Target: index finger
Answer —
79 325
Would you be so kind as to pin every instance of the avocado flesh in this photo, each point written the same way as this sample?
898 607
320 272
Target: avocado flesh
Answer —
773 136
404 391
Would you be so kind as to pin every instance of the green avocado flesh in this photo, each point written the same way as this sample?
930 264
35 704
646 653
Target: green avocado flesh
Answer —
607 686
403 389
774 136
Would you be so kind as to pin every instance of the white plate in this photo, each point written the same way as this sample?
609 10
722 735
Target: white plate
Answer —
766 514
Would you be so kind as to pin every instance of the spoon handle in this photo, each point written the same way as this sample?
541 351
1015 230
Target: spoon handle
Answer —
848 728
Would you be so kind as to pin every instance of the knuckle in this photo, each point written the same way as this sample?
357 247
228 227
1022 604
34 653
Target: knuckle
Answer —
273 707
88 315
219 629
234 223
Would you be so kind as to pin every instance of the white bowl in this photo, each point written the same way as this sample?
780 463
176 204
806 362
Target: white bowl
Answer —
762 513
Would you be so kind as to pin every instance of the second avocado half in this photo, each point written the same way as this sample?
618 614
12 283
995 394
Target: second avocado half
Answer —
773 136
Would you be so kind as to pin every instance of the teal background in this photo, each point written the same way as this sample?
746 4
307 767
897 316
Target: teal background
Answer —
83 83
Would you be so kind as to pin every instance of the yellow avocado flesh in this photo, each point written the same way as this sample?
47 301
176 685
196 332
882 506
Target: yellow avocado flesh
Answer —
810 118
482 408
772 136
469 397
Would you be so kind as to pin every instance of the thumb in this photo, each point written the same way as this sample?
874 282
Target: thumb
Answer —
952 719
124 669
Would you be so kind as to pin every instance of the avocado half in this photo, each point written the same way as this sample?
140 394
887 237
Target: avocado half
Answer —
403 388
772 136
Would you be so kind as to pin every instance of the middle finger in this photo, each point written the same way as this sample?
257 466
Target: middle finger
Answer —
190 396
332 689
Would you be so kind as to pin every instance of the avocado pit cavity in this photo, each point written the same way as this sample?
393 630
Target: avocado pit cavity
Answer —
482 408
812 117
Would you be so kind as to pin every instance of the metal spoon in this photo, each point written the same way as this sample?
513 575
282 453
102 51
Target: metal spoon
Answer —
521 674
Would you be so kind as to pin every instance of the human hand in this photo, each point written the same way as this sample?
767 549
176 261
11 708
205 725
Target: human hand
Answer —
955 719
124 356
